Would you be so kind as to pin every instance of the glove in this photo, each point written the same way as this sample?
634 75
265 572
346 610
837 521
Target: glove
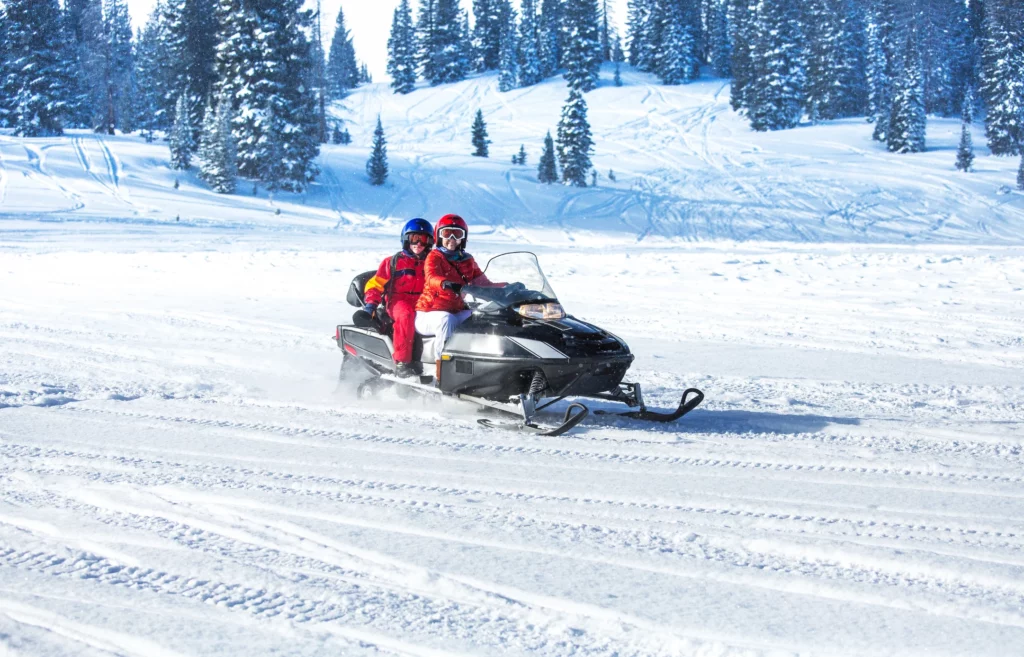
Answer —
453 287
370 308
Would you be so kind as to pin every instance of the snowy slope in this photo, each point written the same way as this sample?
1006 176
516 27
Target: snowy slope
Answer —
181 474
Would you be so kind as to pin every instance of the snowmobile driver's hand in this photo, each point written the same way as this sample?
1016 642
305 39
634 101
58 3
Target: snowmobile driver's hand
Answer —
454 287
370 308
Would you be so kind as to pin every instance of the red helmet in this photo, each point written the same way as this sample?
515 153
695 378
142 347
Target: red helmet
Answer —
451 221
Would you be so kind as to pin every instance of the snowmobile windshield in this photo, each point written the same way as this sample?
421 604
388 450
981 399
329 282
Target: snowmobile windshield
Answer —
514 279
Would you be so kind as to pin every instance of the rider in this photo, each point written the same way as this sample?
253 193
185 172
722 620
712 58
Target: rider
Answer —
440 309
402 288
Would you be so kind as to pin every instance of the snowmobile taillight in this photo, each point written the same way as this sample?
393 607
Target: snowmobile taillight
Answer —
352 350
337 334
542 310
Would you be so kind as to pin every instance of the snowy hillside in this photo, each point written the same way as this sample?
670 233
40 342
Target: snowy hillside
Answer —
686 166
182 475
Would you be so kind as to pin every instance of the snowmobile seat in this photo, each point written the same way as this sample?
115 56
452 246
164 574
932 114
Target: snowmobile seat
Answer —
357 288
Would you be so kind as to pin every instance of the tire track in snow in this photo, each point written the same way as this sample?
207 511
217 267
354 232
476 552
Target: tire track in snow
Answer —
37 160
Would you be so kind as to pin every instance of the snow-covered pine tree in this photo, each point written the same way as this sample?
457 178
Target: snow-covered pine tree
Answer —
717 37
617 77
346 138
618 56
480 140
342 67
908 121
522 155
490 17
508 59
217 148
181 143
1020 172
377 165
946 54
829 59
402 50
448 61
266 59
606 38
5 100
336 134
740 17
190 33
881 58
529 45
91 108
148 68
120 68
676 59
965 152
774 96
426 38
550 37
1002 77
39 73
636 29
582 53
575 143
547 169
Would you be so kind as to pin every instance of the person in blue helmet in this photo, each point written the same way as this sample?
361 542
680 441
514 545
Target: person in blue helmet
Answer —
397 286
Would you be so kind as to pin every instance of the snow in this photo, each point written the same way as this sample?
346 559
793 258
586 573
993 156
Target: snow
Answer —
181 473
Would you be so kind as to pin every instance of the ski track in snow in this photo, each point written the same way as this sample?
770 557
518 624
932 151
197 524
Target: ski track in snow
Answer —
181 473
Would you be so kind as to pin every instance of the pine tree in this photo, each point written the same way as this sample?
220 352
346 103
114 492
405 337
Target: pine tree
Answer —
740 17
336 137
191 43
582 51
491 19
508 60
830 84
346 138
774 95
426 38
217 148
402 50
908 122
719 45
575 143
1002 78
181 143
676 59
881 68
377 166
120 68
639 12
342 67
1020 173
529 45
606 41
446 49
480 140
91 49
965 152
547 169
550 34
617 79
522 155
39 75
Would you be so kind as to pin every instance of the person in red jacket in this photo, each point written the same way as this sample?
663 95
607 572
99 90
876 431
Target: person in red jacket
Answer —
440 309
400 290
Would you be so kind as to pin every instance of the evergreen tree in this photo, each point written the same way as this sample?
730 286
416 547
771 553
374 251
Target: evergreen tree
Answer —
217 148
1020 172
402 50
740 17
617 79
191 43
719 45
618 56
529 45
148 96
346 138
550 34
445 47
5 100
480 140
965 152
342 67
522 155
426 37
91 106
582 51
774 97
547 169
38 86
606 40
181 144
831 61
639 12
266 58
575 143
1002 78
508 64
120 68
908 122
946 54
881 57
675 61
491 22
336 135
377 166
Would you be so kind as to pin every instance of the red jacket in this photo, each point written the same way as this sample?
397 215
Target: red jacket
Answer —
439 269
408 284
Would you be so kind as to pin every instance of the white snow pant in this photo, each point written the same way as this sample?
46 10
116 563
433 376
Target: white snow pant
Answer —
439 324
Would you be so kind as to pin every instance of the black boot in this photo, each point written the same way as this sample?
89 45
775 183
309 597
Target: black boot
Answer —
405 370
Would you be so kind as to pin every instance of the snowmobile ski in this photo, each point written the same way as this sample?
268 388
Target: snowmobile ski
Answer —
575 414
685 406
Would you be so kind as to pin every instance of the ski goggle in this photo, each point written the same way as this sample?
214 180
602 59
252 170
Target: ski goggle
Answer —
452 231
419 238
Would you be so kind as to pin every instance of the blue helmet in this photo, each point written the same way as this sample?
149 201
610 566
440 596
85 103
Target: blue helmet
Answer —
417 226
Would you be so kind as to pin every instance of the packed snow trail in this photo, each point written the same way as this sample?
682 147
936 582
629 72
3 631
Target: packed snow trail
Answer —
181 474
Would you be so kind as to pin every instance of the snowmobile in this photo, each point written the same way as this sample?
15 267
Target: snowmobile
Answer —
519 352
